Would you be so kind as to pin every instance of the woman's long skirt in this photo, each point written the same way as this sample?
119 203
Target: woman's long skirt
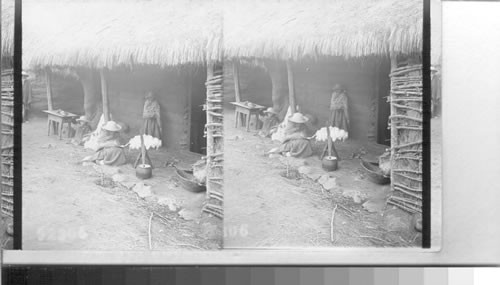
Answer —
113 156
152 128
300 148
339 120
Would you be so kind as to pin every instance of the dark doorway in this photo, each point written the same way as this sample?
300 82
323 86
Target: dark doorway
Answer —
198 142
384 108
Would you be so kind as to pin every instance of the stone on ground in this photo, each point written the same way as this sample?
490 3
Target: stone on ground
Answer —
328 183
312 173
374 205
189 215
142 190
355 195
170 202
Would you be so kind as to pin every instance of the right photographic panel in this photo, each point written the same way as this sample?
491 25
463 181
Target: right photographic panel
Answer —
326 125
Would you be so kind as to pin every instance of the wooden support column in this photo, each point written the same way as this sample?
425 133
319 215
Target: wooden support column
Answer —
189 112
48 84
236 76
291 87
104 92
376 98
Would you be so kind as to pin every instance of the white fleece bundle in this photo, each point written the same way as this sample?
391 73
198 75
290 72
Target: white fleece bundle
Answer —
335 133
149 142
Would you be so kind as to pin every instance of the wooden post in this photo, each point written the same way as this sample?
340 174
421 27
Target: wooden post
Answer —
104 90
189 111
236 76
291 87
48 84
210 140
376 99
143 150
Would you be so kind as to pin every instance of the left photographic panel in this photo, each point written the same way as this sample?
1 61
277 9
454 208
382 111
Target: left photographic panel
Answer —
115 134
7 127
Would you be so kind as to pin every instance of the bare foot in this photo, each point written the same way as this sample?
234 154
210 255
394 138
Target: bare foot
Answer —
273 150
86 159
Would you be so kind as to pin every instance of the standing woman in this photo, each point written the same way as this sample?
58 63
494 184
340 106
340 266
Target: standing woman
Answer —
339 109
151 116
27 95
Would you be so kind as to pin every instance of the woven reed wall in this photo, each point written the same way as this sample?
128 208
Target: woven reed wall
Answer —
7 142
215 140
406 145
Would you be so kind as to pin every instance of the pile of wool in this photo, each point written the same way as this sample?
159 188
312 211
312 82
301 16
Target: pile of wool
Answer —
279 135
150 142
335 133
91 143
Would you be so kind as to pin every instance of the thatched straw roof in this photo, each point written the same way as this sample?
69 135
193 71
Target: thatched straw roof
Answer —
112 33
310 28
7 28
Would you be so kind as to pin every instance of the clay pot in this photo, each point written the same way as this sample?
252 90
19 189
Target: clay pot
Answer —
329 163
144 171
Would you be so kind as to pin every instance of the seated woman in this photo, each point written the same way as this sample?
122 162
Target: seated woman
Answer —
109 150
269 122
83 131
296 142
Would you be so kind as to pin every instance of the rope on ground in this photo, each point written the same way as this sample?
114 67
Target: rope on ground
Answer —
331 223
149 231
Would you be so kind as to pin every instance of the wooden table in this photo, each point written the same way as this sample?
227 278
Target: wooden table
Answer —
56 121
244 112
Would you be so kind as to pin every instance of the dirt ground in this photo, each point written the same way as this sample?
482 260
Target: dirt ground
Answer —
6 241
265 209
67 205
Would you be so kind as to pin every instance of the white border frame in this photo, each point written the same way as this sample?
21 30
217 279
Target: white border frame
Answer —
471 38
